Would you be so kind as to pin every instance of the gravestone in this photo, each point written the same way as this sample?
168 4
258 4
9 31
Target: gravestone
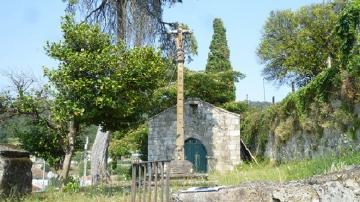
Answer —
15 171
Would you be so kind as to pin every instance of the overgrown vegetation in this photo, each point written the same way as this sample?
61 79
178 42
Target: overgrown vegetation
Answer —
129 141
309 109
327 101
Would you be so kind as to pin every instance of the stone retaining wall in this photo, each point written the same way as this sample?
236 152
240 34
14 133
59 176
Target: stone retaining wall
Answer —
305 145
341 186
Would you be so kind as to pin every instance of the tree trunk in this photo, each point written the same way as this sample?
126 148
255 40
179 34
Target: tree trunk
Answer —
99 156
99 152
121 23
73 129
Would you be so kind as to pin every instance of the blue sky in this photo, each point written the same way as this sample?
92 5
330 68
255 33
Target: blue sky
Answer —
27 25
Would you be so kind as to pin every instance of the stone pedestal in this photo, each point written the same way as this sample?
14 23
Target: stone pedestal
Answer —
15 171
181 168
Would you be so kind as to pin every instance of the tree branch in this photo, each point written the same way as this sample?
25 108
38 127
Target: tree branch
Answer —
99 8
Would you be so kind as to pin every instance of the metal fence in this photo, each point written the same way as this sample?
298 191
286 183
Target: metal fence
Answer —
150 181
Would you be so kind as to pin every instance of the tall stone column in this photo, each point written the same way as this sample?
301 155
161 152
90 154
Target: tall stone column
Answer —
180 165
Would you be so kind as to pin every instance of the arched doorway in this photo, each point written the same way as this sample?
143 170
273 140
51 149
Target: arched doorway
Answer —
195 152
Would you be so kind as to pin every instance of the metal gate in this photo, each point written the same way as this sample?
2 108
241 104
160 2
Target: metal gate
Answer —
195 152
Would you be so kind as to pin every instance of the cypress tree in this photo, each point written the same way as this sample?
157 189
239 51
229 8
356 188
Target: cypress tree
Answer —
219 61
219 55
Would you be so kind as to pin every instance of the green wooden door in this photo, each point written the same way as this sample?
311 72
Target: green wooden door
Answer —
195 152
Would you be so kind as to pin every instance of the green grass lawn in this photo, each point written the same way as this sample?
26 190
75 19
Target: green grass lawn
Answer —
88 194
295 170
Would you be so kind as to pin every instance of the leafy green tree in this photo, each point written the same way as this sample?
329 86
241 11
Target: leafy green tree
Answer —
37 138
25 118
128 141
210 87
40 140
296 45
215 88
98 82
136 23
4 102
236 107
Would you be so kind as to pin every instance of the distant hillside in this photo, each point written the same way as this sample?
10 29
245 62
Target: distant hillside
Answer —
259 104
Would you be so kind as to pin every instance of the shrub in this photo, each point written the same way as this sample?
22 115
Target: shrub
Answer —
71 185
123 172
236 107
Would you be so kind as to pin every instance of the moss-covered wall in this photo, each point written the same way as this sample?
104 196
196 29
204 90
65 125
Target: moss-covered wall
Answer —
314 118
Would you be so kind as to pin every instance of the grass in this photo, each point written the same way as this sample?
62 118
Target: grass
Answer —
295 170
75 197
265 171
101 193
88 194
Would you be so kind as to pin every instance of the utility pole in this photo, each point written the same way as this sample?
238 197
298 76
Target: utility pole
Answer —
180 139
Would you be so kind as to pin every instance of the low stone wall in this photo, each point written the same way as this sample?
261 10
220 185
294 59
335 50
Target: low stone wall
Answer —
15 171
306 146
340 186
